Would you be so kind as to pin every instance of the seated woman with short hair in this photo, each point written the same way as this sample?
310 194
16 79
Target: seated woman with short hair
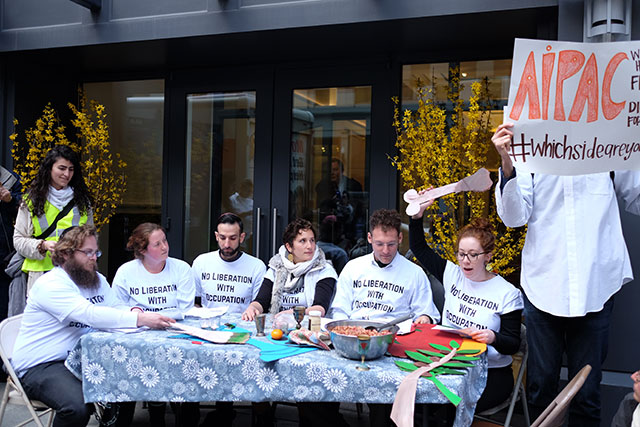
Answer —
298 275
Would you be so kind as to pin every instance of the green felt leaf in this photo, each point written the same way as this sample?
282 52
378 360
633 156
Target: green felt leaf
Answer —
406 366
239 337
432 353
453 398
448 371
467 351
418 356
458 364
465 358
440 347
454 344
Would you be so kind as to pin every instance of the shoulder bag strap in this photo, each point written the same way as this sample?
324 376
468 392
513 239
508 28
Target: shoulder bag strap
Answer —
52 227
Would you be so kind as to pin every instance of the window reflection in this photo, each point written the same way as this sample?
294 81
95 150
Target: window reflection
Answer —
220 165
435 77
329 164
135 116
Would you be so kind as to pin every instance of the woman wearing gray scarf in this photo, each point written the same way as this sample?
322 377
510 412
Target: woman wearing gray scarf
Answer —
298 274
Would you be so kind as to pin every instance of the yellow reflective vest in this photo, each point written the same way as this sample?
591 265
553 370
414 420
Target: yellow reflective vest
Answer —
41 223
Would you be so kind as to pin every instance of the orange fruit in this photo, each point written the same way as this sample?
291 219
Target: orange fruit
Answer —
276 334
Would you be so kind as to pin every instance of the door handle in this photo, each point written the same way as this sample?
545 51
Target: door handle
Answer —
275 223
258 218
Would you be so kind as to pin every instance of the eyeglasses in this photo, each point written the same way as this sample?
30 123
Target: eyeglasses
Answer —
390 245
470 256
89 253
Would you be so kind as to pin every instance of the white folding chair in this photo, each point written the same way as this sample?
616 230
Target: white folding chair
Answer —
13 391
518 392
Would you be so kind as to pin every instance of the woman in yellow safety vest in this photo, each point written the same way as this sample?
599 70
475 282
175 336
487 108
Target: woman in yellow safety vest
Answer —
59 193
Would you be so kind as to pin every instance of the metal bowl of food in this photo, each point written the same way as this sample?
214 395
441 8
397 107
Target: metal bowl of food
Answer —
344 336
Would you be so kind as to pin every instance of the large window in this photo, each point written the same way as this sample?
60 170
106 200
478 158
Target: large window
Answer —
329 164
220 143
135 113
437 77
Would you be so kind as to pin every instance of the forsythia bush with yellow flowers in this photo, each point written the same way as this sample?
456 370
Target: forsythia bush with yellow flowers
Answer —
102 170
436 148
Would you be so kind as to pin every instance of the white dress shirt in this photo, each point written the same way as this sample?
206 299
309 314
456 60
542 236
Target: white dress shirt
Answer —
574 257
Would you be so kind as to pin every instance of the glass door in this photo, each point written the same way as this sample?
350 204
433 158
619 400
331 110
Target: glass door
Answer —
275 145
219 158
220 144
330 131
332 119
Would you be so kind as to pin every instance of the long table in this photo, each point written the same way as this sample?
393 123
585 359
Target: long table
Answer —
150 366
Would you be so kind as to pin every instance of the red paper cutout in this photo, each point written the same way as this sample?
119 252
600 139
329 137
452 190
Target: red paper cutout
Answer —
420 338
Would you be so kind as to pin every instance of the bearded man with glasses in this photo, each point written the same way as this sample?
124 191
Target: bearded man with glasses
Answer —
63 305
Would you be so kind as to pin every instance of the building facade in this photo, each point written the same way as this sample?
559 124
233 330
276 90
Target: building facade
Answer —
263 107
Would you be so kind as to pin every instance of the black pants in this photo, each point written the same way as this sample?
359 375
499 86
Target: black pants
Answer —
55 386
498 389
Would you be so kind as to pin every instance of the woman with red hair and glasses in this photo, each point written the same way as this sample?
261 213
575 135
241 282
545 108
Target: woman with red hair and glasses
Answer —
483 304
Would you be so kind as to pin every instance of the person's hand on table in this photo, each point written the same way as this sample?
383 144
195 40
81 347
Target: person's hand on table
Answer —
423 320
486 336
154 320
284 312
251 312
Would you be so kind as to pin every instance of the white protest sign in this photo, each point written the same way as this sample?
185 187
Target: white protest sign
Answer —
575 106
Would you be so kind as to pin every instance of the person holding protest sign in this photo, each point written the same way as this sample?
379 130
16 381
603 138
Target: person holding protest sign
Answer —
153 281
573 262
478 301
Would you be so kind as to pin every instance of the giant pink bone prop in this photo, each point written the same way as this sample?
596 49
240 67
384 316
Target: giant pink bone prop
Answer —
479 181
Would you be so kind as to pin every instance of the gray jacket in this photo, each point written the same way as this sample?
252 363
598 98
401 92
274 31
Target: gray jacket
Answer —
18 286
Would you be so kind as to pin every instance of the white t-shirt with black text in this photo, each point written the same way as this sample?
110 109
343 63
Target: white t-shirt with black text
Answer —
221 283
58 313
478 304
367 291
173 287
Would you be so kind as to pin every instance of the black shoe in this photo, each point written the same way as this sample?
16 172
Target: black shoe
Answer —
107 414
219 418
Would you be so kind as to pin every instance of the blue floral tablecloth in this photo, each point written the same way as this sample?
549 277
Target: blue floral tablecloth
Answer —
149 366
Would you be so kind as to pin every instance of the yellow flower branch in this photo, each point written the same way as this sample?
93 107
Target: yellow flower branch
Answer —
104 171
436 147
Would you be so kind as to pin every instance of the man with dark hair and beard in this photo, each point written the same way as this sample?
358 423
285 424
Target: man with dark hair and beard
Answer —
228 278
62 306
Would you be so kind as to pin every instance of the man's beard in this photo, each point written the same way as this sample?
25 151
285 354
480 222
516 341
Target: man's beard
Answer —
87 279
230 254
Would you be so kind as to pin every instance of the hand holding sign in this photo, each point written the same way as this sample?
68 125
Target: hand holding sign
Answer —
479 181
